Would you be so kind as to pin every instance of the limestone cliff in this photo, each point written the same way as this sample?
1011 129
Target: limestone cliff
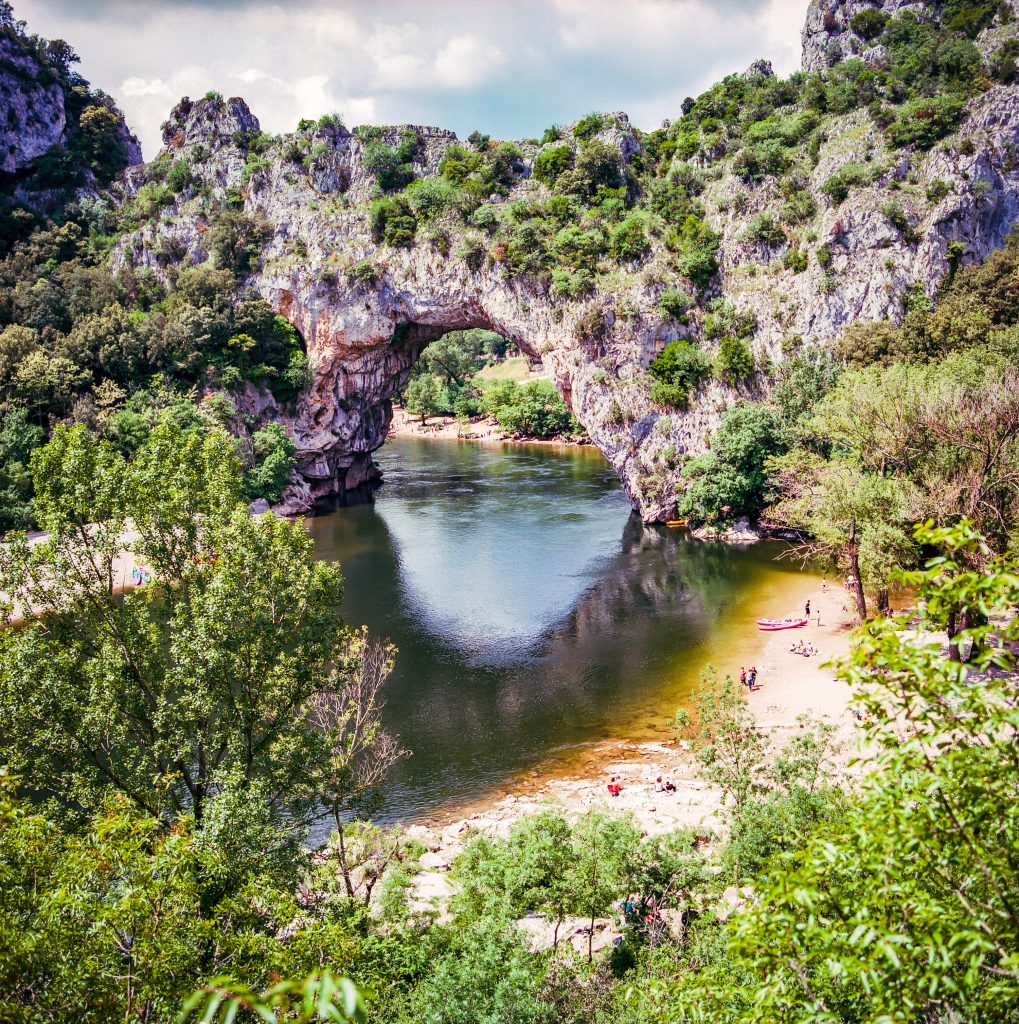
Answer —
53 125
35 118
366 310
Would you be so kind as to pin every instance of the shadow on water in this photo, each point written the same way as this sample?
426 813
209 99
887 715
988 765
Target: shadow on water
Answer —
533 613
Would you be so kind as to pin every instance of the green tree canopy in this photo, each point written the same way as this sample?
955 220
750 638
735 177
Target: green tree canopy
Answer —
169 691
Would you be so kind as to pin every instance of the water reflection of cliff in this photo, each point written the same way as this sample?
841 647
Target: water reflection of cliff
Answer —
610 620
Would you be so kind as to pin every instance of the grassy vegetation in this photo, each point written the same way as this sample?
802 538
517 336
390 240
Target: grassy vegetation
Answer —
514 368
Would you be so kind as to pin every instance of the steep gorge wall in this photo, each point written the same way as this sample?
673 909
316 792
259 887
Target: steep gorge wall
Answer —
366 312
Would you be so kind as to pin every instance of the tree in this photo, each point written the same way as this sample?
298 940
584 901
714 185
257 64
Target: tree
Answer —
101 142
602 845
236 241
15 343
541 849
907 442
802 381
730 479
485 975
356 753
533 869
271 473
18 438
904 908
173 690
800 797
732 749
422 396
857 520
677 370
735 360
534 409
551 162
453 358
124 918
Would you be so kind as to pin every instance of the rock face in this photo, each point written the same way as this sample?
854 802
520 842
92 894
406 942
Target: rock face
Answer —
367 311
35 117
34 108
828 36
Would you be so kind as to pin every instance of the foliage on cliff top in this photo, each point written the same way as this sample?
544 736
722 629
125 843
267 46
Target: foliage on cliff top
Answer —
92 152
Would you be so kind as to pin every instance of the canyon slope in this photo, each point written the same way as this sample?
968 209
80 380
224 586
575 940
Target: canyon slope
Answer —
311 207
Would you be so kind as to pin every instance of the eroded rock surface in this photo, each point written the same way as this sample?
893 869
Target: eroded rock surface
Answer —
366 311
39 115
34 108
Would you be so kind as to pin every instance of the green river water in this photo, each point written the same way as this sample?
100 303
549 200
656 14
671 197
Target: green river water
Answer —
533 613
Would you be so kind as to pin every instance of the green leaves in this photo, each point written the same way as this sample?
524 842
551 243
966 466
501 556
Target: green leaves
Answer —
166 693
319 997
904 907
732 750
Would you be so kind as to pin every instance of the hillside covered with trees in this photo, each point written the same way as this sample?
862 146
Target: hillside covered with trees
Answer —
796 303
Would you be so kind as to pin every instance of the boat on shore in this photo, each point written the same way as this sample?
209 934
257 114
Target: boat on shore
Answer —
772 624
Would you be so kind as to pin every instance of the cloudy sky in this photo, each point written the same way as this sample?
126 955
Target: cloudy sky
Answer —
507 67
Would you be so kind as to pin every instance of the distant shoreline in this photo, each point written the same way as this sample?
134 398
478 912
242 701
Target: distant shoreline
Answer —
448 428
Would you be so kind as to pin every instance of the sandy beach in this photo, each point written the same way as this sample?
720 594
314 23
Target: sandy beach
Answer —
789 686
448 428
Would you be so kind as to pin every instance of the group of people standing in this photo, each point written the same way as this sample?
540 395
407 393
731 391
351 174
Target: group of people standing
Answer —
748 679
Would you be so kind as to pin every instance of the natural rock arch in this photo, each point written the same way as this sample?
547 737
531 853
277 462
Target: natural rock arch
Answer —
363 341
366 310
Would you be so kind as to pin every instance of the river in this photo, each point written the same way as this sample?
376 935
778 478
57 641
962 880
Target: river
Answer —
533 613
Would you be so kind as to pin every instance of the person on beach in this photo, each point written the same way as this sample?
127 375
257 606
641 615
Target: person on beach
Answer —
659 788
824 586
752 678
670 786
806 609
818 617
614 787
742 676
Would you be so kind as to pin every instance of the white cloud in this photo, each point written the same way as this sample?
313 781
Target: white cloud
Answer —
134 86
599 25
466 62
403 61
256 75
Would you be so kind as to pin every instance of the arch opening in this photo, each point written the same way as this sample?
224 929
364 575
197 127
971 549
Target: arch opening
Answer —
434 374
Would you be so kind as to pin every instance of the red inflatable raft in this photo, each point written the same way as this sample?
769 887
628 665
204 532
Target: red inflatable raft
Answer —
772 624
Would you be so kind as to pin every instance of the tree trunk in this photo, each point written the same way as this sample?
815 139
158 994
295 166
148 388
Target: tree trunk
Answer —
344 868
973 618
958 621
854 568
884 605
